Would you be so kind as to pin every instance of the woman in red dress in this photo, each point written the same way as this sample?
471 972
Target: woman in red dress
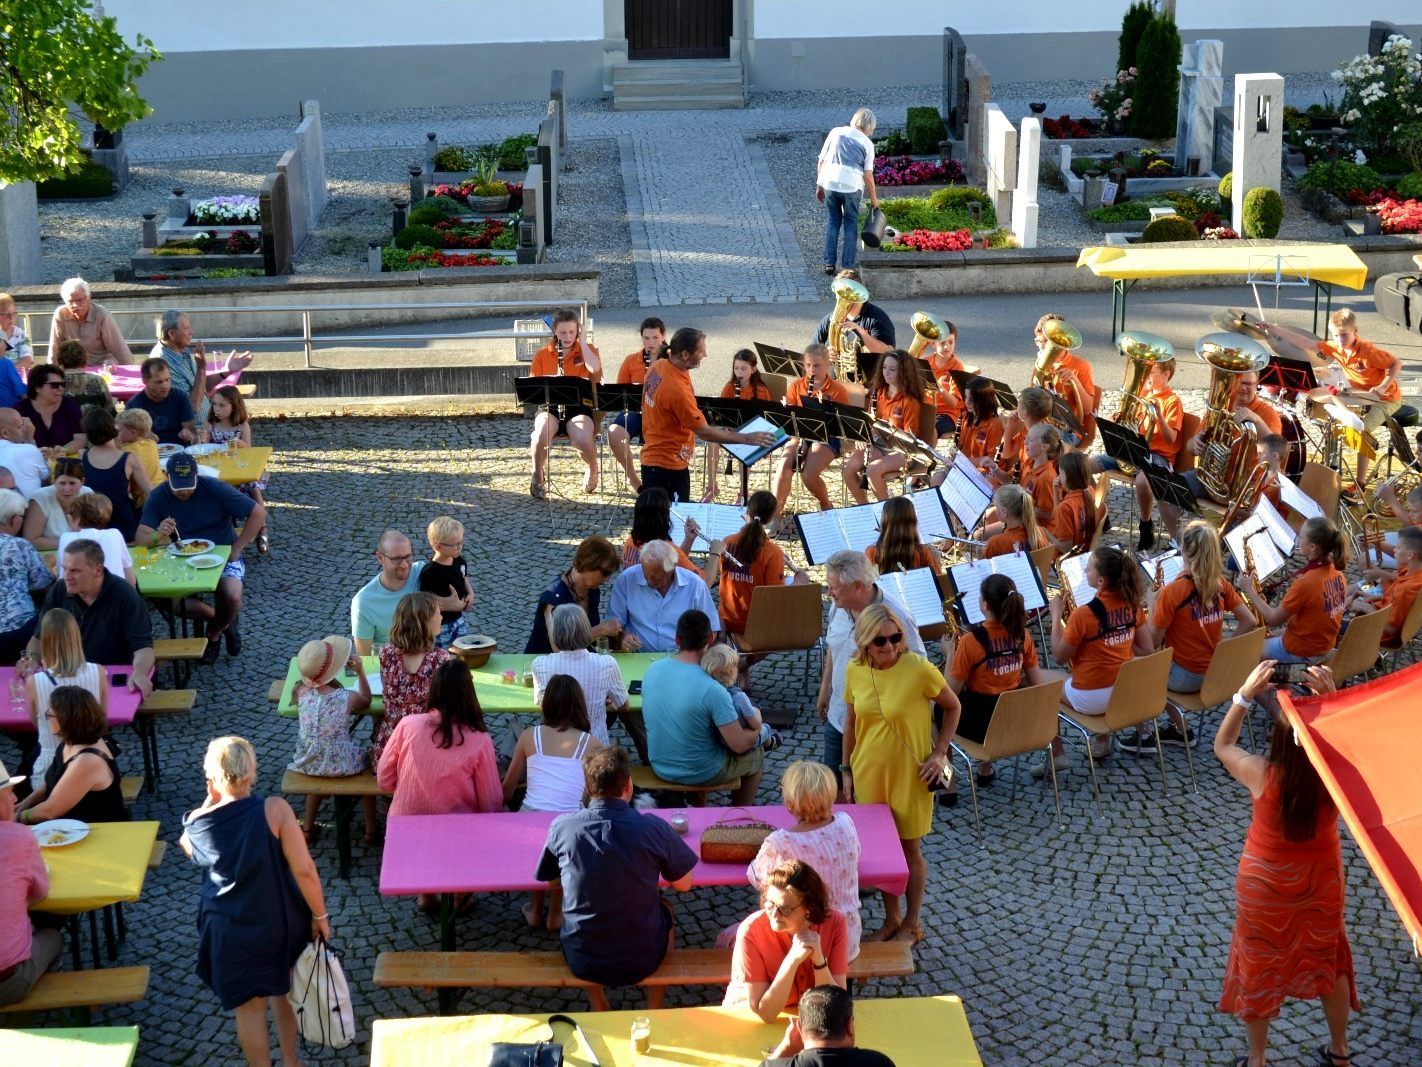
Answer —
1289 939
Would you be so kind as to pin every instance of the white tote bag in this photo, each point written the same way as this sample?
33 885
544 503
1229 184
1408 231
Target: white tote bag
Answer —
320 997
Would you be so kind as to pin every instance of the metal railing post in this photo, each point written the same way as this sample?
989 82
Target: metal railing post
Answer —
306 334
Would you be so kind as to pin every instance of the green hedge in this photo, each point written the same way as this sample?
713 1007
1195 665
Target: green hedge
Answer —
925 129
511 151
1170 228
1409 187
416 234
1263 214
425 215
88 182
1340 177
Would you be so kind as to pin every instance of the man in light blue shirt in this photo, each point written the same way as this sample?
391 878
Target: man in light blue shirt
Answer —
649 599
693 733
373 606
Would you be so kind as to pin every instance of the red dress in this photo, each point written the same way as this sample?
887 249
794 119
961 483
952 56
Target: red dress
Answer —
1289 939
405 693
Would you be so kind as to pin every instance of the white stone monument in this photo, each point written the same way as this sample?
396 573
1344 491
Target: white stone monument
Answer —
19 235
1024 199
999 160
1201 90
1258 138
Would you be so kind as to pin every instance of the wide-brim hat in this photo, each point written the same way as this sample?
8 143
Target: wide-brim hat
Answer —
320 661
6 782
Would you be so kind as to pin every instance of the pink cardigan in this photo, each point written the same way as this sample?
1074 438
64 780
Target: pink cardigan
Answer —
429 780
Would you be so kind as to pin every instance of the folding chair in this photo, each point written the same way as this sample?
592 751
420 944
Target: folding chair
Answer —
1410 625
1043 558
1137 698
784 618
1234 658
1358 651
1324 486
1025 720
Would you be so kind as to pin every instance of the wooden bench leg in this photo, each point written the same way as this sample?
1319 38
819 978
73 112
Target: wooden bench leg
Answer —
110 935
72 924
94 937
447 997
345 808
146 726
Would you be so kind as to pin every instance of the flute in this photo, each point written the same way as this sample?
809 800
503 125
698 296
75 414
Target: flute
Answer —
724 551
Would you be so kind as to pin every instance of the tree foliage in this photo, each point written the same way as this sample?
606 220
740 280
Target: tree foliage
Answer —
1138 16
54 55
1158 83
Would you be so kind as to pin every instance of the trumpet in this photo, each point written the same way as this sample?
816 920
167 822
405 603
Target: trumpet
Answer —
1372 540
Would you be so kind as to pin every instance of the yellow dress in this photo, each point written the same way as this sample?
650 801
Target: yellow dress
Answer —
893 734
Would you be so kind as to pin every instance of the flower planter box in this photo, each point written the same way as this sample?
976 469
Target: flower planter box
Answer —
455 177
170 232
145 262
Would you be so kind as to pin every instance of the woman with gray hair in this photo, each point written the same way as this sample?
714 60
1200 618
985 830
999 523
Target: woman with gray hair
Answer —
596 672
261 898
187 361
843 173
21 573
78 318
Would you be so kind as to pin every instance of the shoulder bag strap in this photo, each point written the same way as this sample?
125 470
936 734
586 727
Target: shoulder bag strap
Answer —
587 1049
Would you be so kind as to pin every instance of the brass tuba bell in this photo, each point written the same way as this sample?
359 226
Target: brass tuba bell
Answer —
1227 444
1061 337
926 327
1142 351
842 341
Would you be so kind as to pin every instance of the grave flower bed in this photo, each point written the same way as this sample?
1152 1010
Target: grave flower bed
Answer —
226 211
1399 216
423 258
1145 164
901 170
236 243
1218 233
464 190
490 233
932 241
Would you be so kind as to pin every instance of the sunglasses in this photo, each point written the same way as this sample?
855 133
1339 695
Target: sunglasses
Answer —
880 640
54 385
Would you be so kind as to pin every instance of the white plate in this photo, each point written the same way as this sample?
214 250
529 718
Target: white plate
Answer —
203 563
60 832
206 544
167 450
205 450
208 472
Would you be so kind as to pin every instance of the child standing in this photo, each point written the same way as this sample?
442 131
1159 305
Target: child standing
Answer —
722 663
229 424
324 745
447 575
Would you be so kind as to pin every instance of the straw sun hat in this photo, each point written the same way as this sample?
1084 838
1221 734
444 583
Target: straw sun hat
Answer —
320 661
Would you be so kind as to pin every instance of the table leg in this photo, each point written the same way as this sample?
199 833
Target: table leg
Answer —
345 806
446 944
110 937
94 938
147 729
72 923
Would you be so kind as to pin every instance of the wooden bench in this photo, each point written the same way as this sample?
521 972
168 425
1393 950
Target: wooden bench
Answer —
155 857
130 785
531 970
274 691
346 791
180 653
79 991
646 778
160 703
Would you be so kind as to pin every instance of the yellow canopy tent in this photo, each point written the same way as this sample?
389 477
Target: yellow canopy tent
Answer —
1324 266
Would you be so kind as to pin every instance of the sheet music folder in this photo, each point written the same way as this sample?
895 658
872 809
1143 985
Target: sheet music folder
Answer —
730 412
967 579
749 455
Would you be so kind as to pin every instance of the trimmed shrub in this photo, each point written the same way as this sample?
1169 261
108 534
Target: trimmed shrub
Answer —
1138 16
925 129
1407 141
511 151
417 234
1226 190
1409 187
1156 97
894 143
425 215
454 157
1263 213
447 206
87 182
1170 228
1340 177
958 196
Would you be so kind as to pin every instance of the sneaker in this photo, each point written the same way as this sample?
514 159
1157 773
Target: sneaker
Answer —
232 637
774 741
209 654
1061 763
1142 743
1170 734
1147 539
1101 746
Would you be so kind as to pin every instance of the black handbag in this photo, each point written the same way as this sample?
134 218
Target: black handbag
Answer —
540 1053
874 228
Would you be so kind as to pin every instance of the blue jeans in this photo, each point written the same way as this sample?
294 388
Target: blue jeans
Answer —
1183 681
834 747
843 215
1274 649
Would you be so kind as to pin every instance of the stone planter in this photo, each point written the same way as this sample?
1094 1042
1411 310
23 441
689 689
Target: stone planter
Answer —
145 262
1128 226
486 205
455 177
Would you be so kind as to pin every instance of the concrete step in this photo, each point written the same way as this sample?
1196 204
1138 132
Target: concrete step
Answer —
677 71
668 86
677 85
678 103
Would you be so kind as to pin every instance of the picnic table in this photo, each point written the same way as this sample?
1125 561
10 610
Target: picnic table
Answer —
123 702
495 695
237 467
84 1046
167 578
125 380
423 853
108 867
909 1030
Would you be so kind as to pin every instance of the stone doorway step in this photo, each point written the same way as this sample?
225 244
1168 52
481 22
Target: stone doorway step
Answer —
677 85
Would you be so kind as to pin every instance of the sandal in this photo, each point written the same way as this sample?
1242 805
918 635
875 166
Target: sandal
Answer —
534 921
884 933
536 490
1332 1059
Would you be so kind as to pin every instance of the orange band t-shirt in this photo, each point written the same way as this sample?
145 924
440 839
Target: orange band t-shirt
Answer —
949 400
996 669
1037 480
1069 520
1399 596
921 558
1366 367
1315 605
545 362
633 370
632 555
833 389
1012 539
669 417
1172 415
738 583
979 440
1193 625
750 392
899 411
1100 654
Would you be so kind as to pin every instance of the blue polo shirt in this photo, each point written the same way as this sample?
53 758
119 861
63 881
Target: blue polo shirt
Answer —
168 415
683 707
611 859
213 511
557 593
653 616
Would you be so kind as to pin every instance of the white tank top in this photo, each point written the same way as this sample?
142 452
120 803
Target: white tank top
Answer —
555 783
45 684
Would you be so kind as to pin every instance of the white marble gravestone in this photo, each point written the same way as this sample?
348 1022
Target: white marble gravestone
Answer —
1024 198
1201 91
19 235
999 160
1258 138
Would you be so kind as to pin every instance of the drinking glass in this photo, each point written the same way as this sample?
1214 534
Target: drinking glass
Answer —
641 1035
17 694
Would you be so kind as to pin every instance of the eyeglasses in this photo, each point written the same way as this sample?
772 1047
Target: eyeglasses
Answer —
780 910
408 557
54 385
880 640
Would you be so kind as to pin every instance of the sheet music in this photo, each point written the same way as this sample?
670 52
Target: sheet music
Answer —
826 532
748 454
1073 572
715 520
969 577
965 493
1267 558
859 525
964 466
821 533
1171 564
1280 531
918 591
928 507
1294 498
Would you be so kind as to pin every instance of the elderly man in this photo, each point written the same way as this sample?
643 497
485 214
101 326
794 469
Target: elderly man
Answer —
25 462
850 582
190 506
611 858
13 341
649 598
113 619
187 362
694 736
844 172
373 606
25 954
79 318
172 414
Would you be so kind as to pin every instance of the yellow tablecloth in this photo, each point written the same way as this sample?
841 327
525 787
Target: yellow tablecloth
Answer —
243 465
909 1030
89 1046
1332 264
106 867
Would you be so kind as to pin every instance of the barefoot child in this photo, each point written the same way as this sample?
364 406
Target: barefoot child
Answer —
324 745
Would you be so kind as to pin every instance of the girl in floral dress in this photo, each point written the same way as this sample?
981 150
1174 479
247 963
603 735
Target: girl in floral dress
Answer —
229 422
408 663
324 745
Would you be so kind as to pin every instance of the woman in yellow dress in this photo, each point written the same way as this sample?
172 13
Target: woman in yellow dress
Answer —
889 755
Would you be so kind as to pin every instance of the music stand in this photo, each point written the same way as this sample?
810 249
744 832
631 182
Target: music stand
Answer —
732 412
1061 411
807 424
1123 444
1006 398
779 360
1169 487
904 443
613 398
850 423
1288 375
554 392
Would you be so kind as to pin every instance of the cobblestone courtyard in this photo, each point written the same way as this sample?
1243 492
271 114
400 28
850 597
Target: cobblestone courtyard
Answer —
1097 942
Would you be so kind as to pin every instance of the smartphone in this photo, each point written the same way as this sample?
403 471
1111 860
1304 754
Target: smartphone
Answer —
635 688
1289 674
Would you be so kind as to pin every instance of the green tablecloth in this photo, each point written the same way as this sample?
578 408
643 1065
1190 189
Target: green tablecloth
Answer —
165 576
495 696
90 1046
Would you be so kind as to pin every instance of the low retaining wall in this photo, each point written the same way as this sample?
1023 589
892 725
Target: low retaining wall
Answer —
323 383
543 285
905 275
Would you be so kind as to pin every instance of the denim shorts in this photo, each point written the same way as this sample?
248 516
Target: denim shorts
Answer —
1183 681
834 746
1274 649
631 421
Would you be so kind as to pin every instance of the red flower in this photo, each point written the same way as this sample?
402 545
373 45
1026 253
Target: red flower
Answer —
1399 216
935 241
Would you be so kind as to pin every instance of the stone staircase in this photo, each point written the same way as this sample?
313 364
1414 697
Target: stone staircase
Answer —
677 85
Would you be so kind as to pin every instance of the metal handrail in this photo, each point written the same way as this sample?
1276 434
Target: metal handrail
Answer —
308 338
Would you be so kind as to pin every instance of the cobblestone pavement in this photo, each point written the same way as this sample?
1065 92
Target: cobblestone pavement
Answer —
1096 942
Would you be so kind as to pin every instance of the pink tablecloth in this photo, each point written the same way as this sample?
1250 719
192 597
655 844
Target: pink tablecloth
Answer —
498 852
123 702
126 381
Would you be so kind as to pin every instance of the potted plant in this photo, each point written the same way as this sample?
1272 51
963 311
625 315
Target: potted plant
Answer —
486 191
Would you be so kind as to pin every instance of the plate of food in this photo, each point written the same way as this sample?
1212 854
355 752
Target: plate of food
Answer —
56 833
191 546
203 563
167 451
205 450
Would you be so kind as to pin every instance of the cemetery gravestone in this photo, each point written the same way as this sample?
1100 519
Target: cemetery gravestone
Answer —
1258 138
290 165
276 231
19 235
533 214
556 96
310 143
1024 199
1378 33
1201 89
1001 160
955 88
979 92
548 159
109 152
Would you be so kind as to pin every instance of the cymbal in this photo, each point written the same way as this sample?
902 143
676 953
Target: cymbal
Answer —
1240 322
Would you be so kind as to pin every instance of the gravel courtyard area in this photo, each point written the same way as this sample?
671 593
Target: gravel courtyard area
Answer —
1097 942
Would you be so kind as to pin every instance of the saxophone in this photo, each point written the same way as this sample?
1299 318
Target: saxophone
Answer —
1227 444
1249 564
842 342
1142 351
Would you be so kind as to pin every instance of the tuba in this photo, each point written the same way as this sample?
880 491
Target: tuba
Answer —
1142 351
843 343
1061 336
1227 445
926 327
